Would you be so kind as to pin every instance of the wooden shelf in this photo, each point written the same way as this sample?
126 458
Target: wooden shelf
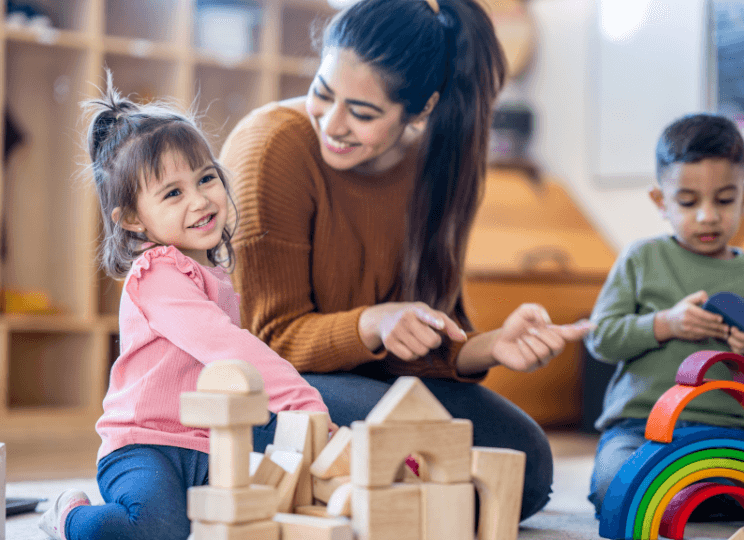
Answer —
54 368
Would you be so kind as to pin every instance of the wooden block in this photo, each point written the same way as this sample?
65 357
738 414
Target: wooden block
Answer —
291 462
254 461
259 530
294 433
379 450
319 429
232 505
334 459
225 376
498 474
209 409
408 400
340 502
386 513
738 535
323 488
267 473
298 527
447 511
230 456
317 510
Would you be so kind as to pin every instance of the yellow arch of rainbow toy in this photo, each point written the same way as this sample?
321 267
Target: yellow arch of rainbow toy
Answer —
677 482
663 417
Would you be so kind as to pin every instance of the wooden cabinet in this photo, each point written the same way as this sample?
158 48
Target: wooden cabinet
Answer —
58 328
530 243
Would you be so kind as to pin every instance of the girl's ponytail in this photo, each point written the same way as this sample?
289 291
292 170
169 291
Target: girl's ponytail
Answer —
107 112
452 172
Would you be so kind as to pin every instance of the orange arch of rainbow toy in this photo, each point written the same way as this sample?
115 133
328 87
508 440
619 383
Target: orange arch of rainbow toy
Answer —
663 417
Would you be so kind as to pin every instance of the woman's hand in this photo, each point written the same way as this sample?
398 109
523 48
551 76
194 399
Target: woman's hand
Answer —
736 340
409 330
526 341
688 321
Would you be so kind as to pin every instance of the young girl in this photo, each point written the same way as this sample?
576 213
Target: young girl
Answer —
164 200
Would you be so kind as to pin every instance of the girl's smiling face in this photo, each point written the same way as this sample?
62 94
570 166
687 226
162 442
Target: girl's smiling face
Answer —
358 127
703 203
185 208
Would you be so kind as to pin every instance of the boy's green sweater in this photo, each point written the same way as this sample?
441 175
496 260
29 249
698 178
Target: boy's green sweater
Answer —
649 276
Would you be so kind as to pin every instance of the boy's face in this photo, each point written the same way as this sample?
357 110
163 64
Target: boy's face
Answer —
703 203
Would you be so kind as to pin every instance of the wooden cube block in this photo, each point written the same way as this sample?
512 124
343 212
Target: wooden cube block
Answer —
379 450
229 456
498 474
267 473
334 459
447 511
298 527
232 505
235 376
259 530
210 409
386 513
324 488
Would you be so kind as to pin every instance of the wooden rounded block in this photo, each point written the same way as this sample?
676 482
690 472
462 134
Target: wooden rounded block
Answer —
231 376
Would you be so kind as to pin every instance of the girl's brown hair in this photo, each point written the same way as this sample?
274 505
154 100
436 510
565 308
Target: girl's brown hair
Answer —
126 143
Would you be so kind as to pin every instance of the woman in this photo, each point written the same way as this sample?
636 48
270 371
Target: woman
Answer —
356 203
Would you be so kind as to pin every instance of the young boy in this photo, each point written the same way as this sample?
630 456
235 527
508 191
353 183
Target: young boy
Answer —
649 316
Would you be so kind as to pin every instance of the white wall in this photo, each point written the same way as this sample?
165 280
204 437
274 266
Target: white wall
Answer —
570 92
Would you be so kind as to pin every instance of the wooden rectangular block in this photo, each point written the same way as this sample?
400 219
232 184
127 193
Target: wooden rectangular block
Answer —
299 527
386 513
236 505
498 474
324 488
379 450
447 511
317 510
208 409
291 462
260 530
335 458
230 456
266 473
294 432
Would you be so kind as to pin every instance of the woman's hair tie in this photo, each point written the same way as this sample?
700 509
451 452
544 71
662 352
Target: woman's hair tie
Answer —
434 5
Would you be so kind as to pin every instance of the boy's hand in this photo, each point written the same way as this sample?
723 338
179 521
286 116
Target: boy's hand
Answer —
736 340
688 321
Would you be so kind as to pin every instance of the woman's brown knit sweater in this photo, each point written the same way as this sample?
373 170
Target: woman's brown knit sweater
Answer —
315 247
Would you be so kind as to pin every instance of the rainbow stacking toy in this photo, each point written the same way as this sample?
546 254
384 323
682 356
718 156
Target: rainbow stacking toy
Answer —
660 485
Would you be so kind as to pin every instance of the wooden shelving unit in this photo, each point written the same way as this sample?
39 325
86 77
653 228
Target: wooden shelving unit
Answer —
54 364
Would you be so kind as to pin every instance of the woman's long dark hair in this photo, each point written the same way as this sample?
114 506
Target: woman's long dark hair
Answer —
418 52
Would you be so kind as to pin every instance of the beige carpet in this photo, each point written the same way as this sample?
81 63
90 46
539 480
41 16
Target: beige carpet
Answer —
568 516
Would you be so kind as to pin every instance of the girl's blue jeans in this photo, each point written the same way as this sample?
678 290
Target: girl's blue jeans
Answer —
496 421
144 490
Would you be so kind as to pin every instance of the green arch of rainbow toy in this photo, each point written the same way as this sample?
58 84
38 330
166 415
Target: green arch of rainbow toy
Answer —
640 493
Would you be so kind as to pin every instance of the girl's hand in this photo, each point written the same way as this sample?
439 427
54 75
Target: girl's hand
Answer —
688 321
736 340
409 330
528 340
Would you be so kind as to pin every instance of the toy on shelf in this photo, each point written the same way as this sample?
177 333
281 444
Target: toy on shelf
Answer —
359 485
660 485
730 306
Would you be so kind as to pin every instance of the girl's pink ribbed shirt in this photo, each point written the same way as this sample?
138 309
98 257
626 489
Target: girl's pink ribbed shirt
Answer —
175 317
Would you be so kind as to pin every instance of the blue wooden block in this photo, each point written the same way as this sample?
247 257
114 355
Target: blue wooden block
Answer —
730 306
640 469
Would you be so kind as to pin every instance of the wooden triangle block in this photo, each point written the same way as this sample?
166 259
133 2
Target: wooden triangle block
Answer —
408 400
738 535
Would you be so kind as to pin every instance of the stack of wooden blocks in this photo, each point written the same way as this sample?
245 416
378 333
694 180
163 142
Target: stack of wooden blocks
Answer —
360 484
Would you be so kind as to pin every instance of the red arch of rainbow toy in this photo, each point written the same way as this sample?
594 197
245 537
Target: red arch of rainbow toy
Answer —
680 508
690 384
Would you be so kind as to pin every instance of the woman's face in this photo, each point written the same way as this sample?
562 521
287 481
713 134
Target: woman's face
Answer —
358 127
